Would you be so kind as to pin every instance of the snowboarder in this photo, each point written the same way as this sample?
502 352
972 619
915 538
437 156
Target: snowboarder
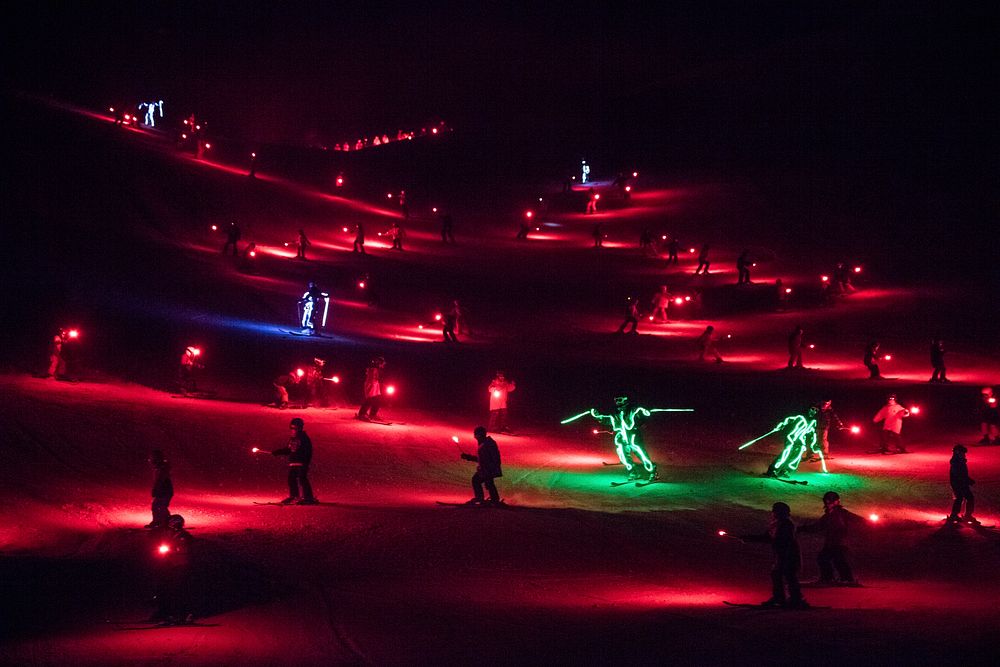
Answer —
989 417
891 415
835 526
787 559
301 244
631 317
488 457
163 490
871 360
800 439
743 268
233 235
795 347
498 390
299 453
397 235
172 578
359 239
824 420
189 364
283 385
661 303
937 361
703 262
372 390
706 345
961 485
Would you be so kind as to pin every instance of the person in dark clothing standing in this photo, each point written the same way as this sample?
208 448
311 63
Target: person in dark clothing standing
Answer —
672 247
937 361
372 390
961 485
787 559
359 239
871 360
301 245
488 458
826 418
299 452
232 237
835 526
449 321
795 347
172 575
598 235
703 262
631 316
743 268
163 490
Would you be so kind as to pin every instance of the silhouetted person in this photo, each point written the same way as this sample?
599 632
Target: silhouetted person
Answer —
592 198
372 390
299 452
961 486
835 527
172 577
403 206
57 364
188 366
631 317
646 239
163 490
795 347
842 278
871 360
989 417
743 268
253 166
232 237
449 320
488 458
703 262
397 235
891 415
937 361
672 247
301 245
359 239
661 304
447 228
522 233
787 559
781 295
598 235
706 345
283 385
825 419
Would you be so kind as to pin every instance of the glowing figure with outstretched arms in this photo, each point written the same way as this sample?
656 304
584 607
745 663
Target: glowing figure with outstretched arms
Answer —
625 429
151 107
800 437
309 305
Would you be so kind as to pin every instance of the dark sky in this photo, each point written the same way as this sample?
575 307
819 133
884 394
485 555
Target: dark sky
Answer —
824 72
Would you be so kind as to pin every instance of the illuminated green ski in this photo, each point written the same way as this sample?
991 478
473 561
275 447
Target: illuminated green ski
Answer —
623 426
799 439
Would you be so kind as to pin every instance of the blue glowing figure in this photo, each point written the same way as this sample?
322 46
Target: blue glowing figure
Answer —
584 171
151 109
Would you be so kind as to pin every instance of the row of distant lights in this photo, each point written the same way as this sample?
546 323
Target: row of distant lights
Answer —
385 138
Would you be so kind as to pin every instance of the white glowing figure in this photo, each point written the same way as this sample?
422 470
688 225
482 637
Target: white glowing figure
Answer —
584 171
151 109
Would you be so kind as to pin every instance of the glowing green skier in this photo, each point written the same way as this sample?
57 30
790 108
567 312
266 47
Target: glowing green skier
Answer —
799 439
625 429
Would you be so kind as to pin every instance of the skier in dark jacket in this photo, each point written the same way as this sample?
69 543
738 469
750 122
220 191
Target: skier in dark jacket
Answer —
299 452
835 526
871 360
960 486
172 573
488 458
937 361
787 559
743 268
232 239
631 316
825 419
163 490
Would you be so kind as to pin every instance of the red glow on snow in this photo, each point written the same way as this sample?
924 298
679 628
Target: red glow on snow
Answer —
390 390
873 517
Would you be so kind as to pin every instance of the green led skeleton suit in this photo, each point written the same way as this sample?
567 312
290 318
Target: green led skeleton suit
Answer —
800 438
625 430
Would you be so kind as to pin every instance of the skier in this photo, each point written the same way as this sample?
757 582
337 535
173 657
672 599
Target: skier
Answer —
232 239
315 387
672 247
743 268
310 305
397 235
301 245
172 575
787 559
646 240
842 278
937 361
661 303
282 385
592 198
488 457
461 321
189 364
57 364
989 417
871 360
299 453
253 166
960 487
800 439
402 205
584 171
372 390
824 420
359 239
706 345
795 347
498 390
163 490
449 321
631 316
835 526
891 415
598 235
703 262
